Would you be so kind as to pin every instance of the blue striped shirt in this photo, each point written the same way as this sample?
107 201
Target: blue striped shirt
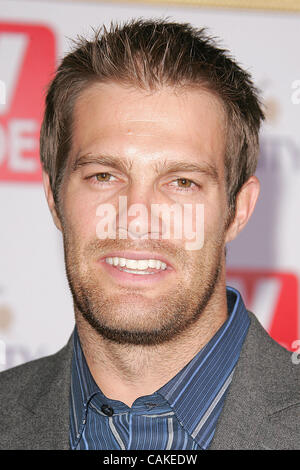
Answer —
180 415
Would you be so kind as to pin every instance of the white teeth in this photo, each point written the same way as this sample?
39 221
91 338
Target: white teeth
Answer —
131 263
141 264
152 263
135 271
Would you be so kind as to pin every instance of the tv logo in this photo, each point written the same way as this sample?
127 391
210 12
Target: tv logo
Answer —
273 297
27 60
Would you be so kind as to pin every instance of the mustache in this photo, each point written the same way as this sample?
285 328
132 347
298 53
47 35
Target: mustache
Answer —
96 248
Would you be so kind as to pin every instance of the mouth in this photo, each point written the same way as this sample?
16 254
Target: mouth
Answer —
136 267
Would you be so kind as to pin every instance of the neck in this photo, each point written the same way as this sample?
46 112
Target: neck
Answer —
125 372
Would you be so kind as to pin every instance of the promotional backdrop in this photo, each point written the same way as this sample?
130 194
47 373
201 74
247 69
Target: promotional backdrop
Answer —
36 311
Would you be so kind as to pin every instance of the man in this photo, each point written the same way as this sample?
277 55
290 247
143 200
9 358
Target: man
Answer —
147 117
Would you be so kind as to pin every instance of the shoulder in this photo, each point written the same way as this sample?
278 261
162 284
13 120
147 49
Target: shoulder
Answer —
267 358
33 374
34 400
277 379
262 407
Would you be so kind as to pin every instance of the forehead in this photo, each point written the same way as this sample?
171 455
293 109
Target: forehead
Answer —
145 126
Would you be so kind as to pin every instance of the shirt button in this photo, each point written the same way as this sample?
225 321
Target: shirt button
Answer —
150 405
107 410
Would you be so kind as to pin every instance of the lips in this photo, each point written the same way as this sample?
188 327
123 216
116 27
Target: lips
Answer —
136 267
118 258
140 266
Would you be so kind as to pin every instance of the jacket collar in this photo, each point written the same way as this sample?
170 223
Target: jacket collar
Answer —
257 406
47 406
254 414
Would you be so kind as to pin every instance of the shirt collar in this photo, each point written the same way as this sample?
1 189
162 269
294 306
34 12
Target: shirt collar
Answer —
193 390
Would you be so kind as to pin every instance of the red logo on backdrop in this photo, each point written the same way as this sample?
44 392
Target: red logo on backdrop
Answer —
273 297
27 62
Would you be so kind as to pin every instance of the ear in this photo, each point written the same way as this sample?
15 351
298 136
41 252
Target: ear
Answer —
50 200
245 203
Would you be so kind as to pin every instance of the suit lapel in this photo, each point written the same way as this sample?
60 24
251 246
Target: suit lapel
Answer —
241 417
258 413
46 420
255 414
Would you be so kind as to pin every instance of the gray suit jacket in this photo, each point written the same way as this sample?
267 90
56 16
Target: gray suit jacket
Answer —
261 410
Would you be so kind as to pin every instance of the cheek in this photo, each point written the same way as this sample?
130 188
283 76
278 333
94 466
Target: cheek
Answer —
79 217
215 217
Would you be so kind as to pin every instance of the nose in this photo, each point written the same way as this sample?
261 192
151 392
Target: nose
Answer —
134 218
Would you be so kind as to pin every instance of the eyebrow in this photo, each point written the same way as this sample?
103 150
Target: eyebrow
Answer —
163 166
171 166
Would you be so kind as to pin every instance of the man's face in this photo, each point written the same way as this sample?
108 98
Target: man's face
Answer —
163 147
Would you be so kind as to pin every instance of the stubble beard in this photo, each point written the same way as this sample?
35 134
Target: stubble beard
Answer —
128 317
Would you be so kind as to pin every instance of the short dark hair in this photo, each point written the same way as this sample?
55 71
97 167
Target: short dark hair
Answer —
149 54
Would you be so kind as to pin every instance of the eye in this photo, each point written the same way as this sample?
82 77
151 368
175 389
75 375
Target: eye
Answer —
184 184
101 178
